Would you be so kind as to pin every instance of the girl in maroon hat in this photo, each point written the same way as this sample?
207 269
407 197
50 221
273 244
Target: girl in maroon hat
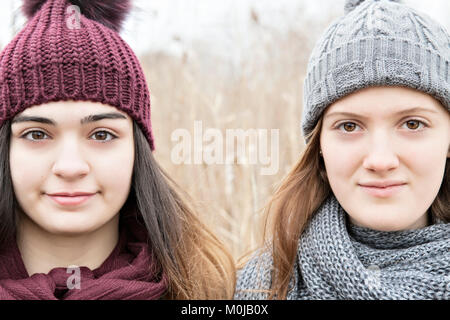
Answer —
85 210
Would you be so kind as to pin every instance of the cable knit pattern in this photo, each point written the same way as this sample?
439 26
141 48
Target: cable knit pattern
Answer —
48 61
378 42
338 260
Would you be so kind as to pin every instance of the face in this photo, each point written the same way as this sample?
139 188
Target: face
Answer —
71 155
382 141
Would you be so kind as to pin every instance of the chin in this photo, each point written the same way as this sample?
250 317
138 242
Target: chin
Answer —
67 231
388 225
69 227
388 228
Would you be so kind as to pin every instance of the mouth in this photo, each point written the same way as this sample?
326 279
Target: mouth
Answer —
383 192
71 200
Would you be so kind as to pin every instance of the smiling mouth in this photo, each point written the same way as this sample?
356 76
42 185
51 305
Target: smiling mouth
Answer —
383 192
71 200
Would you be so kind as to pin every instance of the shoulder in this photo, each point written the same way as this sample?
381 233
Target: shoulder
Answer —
254 279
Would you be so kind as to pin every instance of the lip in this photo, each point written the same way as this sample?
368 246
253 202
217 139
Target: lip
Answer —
71 200
382 184
383 192
71 194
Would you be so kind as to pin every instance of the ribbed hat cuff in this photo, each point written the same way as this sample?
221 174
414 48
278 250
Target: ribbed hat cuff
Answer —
83 82
373 62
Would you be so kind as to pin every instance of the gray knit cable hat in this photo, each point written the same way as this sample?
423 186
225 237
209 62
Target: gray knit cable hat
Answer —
376 42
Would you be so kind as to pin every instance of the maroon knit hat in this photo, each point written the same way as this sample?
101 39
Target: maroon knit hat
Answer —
55 57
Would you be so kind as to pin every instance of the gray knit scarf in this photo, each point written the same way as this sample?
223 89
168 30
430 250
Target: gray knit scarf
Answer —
338 260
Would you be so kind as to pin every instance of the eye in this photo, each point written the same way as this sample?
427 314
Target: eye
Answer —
348 126
37 135
414 124
104 134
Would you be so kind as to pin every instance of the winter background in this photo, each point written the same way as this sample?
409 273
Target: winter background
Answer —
230 64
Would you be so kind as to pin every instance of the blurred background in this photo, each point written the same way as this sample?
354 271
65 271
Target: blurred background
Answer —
235 64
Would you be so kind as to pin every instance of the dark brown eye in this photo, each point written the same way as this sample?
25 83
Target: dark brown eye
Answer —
37 135
103 136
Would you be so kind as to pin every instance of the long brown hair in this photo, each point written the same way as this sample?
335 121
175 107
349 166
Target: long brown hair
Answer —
197 264
294 203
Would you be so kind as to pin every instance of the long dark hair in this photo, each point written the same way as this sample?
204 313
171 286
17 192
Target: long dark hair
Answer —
197 264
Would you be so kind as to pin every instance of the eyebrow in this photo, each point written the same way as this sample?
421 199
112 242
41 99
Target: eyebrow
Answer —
85 120
349 114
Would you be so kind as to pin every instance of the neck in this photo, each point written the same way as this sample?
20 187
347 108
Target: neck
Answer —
42 251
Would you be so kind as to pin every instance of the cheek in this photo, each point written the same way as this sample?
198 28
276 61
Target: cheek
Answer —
114 170
427 167
341 164
339 174
26 170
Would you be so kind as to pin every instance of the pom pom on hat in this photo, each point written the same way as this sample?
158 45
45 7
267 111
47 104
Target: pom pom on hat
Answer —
30 7
352 4
110 13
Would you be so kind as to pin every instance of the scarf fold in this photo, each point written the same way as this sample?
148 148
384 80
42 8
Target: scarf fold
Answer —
339 260
128 273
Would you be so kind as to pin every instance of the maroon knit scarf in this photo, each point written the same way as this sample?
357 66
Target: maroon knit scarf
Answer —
127 273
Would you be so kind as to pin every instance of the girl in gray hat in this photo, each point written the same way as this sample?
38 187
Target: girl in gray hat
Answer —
364 213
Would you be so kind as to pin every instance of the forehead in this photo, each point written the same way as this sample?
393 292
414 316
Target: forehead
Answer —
65 111
373 101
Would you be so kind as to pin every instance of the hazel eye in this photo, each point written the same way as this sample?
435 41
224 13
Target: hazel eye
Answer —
414 124
348 126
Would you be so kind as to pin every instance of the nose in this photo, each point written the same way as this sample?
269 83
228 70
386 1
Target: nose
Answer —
380 156
70 163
